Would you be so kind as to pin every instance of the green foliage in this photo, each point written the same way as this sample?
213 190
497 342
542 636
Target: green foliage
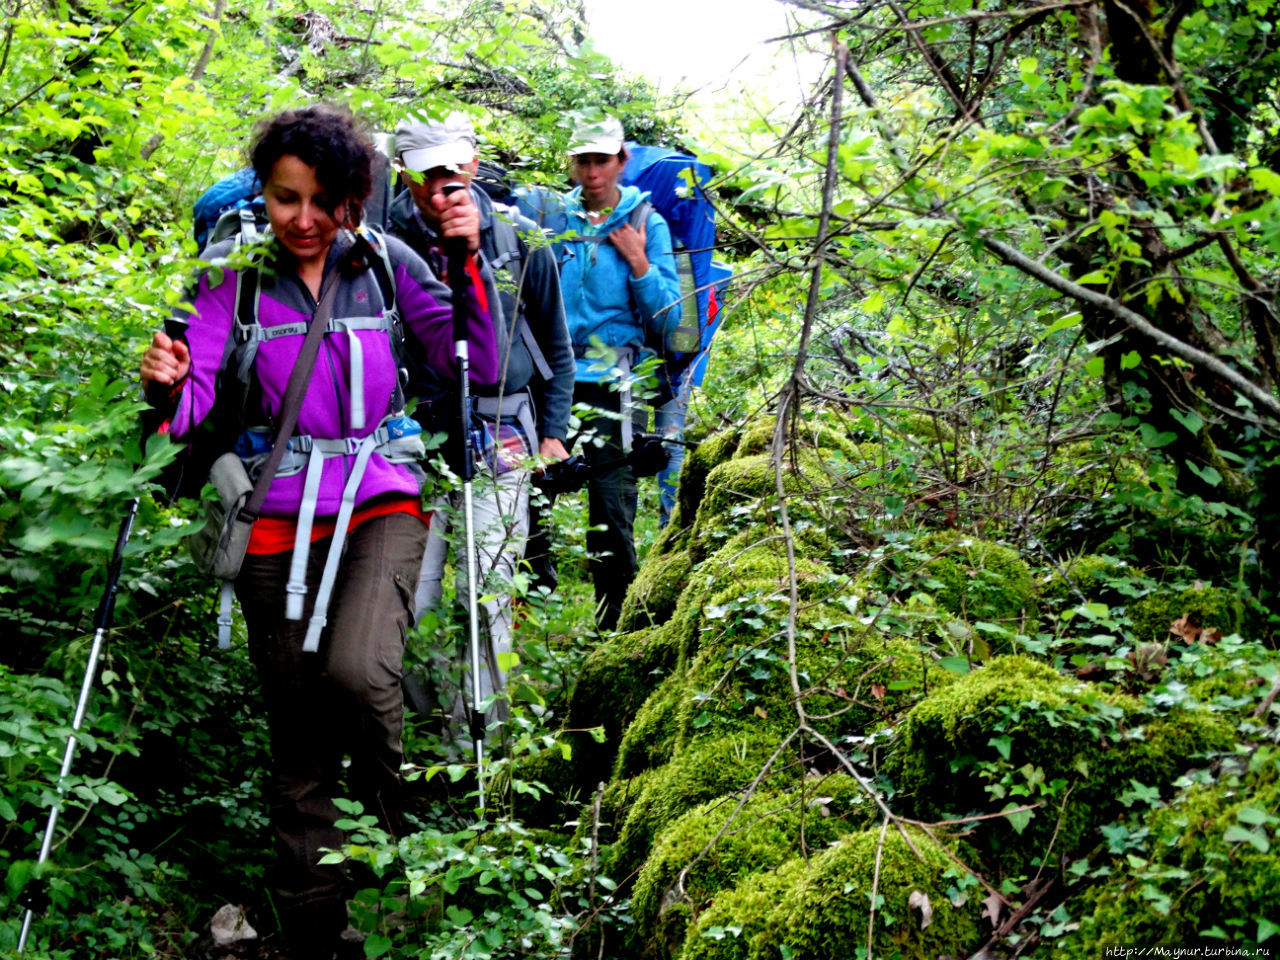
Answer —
1203 871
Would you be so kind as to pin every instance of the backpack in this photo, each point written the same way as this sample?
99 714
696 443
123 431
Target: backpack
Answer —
676 183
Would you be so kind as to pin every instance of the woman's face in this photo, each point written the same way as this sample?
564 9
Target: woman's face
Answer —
598 174
301 213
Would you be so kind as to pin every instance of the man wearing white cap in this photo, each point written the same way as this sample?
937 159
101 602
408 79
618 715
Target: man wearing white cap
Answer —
526 413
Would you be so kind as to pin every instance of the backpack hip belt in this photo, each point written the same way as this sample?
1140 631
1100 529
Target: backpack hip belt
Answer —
311 452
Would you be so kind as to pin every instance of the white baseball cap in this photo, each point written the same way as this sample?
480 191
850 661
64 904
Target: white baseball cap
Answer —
597 136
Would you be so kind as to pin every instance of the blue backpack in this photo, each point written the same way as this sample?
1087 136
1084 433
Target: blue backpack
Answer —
236 191
676 183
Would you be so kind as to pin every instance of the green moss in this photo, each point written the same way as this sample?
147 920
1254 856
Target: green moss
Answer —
770 829
826 915
651 598
924 427
650 739
975 580
1017 732
699 462
808 435
852 679
711 769
1204 607
616 678
1091 576
736 917
1211 863
742 491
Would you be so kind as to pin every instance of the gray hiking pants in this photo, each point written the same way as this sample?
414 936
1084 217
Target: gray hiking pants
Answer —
501 508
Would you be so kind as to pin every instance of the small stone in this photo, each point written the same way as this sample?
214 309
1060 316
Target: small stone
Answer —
229 926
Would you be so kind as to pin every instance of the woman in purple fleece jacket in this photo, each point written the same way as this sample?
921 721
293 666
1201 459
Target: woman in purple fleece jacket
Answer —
344 699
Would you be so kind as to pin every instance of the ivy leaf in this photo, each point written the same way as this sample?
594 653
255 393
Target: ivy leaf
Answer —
1256 839
1208 474
1018 819
376 944
1153 438
1267 929
1191 421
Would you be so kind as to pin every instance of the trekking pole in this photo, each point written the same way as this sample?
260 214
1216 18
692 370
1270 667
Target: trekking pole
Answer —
102 625
456 252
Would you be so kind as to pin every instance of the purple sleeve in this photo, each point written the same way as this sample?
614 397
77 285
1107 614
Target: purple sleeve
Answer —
426 307
208 328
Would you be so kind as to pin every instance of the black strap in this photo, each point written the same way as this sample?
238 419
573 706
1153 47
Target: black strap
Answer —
299 377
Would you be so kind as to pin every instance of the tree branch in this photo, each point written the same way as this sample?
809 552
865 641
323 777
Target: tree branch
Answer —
1051 278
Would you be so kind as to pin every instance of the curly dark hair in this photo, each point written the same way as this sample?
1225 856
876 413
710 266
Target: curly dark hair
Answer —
327 138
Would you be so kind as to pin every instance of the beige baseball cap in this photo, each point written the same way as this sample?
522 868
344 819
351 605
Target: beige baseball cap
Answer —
427 144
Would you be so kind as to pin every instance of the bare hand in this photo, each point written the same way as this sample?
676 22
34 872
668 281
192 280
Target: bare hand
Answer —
166 360
629 243
552 449
459 216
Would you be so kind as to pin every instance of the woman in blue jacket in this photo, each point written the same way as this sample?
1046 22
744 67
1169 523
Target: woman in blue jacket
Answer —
620 290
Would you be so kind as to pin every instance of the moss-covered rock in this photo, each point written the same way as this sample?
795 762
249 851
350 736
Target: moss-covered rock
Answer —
617 677
743 491
852 678
826 915
1210 876
976 581
1017 732
809 435
699 462
728 928
711 769
721 845
1196 611
651 598
1090 576
650 739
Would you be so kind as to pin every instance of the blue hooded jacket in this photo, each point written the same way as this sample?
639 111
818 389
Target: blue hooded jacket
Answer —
602 299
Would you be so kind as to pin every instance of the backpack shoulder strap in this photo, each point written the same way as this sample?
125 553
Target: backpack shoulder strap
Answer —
640 215
509 254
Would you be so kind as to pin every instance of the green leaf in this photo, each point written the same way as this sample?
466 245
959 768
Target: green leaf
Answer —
954 664
1018 819
1191 420
1153 438
1208 474
1063 323
1255 838
1266 929
1130 360
1003 745
376 944
1254 816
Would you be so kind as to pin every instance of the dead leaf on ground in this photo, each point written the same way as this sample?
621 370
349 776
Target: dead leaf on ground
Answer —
991 908
1186 628
920 901
878 690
